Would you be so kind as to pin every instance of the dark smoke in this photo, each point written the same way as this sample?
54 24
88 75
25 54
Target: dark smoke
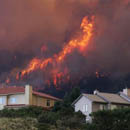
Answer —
112 43
25 26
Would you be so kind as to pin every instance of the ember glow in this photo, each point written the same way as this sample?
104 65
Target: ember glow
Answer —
7 81
59 77
78 43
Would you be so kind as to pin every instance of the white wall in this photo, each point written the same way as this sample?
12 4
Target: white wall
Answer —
28 89
20 99
4 102
79 106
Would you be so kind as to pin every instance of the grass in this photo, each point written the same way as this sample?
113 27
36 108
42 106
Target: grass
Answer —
18 124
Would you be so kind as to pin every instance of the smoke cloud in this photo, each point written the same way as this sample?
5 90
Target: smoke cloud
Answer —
29 27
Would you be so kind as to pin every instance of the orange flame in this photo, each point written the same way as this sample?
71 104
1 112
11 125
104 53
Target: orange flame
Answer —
7 81
79 43
59 77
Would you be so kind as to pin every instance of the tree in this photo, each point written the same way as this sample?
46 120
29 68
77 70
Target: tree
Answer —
67 100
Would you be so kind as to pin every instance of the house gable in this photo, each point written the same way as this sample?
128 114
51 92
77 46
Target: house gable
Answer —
81 103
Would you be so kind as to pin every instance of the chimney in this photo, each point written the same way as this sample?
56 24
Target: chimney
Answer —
126 91
28 95
95 92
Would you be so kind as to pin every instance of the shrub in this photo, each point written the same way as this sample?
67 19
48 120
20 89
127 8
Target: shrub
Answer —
74 121
118 119
46 119
60 121
30 111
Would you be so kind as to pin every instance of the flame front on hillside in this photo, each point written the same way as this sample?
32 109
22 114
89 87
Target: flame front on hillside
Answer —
78 43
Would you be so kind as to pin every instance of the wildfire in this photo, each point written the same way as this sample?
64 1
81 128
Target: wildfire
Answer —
59 77
7 81
79 43
34 64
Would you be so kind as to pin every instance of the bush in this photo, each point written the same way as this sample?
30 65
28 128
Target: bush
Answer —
74 121
60 121
89 126
46 119
30 111
118 119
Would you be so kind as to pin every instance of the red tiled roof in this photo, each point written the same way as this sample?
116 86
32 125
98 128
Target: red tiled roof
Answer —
12 90
16 89
45 95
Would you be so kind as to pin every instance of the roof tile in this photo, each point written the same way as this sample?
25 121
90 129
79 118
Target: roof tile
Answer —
45 95
95 98
113 98
11 90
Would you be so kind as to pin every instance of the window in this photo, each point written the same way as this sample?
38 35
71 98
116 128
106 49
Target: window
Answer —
85 108
48 103
13 100
1 100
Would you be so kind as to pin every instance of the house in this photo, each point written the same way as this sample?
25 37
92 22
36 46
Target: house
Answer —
88 103
17 97
125 94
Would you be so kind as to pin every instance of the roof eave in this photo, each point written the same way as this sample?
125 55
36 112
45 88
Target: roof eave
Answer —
12 94
75 101
80 98
56 99
120 103
100 102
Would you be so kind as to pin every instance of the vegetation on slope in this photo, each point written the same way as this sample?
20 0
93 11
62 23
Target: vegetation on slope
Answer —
117 119
18 124
63 117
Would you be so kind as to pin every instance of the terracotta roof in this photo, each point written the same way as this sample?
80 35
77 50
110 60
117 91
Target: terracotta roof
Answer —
45 95
95 98
14 90
113 98
11 90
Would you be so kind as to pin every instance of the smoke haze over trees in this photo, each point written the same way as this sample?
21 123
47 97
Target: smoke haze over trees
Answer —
41 28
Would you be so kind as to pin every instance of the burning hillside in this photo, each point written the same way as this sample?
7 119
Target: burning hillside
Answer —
57 72
55 42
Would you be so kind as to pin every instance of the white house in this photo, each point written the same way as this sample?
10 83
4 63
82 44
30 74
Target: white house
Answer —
88 103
